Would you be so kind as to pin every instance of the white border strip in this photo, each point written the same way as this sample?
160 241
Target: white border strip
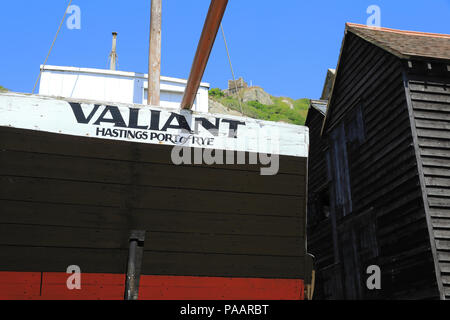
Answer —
143 124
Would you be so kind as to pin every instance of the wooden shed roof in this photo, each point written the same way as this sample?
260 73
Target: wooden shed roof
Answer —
405 44
320 105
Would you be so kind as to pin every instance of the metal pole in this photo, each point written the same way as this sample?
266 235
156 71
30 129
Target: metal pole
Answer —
154 61
113 54
205 45
134 265
131 292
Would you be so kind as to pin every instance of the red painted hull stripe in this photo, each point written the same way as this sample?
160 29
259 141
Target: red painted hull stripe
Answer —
52 286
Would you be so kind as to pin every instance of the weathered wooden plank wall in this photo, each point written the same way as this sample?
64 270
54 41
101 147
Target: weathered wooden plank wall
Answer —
387 223
66 200
430 96
319 231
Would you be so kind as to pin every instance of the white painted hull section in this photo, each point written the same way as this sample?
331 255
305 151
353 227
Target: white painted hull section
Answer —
58 116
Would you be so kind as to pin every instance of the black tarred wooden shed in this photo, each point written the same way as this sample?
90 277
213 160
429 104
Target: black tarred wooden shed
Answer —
384 199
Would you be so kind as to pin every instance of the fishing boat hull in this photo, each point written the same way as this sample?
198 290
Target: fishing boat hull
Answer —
71 196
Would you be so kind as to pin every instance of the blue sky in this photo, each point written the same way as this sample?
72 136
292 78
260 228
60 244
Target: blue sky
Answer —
284 46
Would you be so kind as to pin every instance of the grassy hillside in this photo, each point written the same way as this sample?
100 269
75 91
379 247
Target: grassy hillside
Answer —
283 110
3 89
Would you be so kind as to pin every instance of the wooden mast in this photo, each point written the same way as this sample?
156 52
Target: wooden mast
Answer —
205 45
154 61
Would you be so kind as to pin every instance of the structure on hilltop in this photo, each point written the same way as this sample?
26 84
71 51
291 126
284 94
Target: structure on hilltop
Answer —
234 86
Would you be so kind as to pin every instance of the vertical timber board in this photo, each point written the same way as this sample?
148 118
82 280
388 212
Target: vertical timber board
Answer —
333 208
429 87
423 185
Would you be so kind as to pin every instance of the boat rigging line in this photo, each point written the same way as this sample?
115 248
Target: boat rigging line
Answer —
54 40
231 67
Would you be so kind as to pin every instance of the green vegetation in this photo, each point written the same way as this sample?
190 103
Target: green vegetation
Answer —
3 89
283 110
216 93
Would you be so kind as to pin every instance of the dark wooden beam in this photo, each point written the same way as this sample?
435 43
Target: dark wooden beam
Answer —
205 45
